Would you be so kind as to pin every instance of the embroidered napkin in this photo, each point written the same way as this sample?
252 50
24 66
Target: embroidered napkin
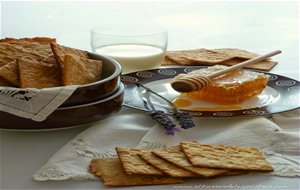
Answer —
280 147
131 128
35 104
126 128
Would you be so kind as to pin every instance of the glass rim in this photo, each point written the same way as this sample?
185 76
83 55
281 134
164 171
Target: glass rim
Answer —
158 30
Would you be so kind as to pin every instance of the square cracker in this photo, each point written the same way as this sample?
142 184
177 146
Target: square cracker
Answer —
168 62
235 52
60 51
79 71
112 174
265 65
198 56
165 166
94 166
176 156
226 157
133 164
36 74
237 55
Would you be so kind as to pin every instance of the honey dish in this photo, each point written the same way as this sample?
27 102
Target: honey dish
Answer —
232 88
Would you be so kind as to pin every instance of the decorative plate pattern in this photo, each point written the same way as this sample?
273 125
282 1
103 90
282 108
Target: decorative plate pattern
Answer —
284 93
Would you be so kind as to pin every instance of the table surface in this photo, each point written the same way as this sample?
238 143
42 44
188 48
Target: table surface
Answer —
255 26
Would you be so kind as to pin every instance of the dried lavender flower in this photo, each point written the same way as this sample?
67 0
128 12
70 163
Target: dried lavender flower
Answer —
164 120
185 119
171 131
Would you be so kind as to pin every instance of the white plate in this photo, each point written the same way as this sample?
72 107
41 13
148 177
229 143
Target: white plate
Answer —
281 94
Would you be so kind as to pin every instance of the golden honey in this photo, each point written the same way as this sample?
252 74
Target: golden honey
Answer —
181 103
230 88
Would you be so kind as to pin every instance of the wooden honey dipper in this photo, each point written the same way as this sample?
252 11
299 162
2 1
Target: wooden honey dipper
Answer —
196 82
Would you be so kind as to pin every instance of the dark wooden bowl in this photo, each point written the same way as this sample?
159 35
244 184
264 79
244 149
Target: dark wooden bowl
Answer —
70 116
97 90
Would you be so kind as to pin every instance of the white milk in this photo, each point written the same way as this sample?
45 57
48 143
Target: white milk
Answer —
134 57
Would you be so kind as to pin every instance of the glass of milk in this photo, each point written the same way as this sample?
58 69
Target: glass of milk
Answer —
135 47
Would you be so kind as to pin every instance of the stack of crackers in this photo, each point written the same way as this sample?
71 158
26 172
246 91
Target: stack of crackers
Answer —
41 63
224 56
170 165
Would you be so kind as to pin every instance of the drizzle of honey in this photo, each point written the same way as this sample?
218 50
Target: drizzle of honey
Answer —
184 103
217 108
181 102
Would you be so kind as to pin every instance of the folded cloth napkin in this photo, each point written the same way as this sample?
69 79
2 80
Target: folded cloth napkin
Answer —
131 128
35 104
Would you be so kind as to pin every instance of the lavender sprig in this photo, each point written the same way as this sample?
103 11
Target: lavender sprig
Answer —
165 121
161 118
184 118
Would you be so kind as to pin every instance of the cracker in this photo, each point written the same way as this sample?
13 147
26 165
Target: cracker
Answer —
165 166
10 72
113 174
79 71
265 65
9 53
94 167
133 164
60 51
237 55
234 52
37 45
50 59
236 172
36 74
41 40
166 61
176 156
198 56
225 157
4 82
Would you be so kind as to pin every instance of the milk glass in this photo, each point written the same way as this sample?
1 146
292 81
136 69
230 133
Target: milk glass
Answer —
135 47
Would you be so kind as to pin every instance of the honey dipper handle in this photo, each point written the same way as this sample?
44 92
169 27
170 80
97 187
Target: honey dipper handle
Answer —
243 64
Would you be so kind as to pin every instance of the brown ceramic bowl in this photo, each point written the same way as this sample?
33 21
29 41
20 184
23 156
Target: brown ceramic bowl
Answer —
97 90
70 116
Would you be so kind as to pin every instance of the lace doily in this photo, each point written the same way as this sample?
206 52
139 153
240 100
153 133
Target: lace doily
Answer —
280 146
